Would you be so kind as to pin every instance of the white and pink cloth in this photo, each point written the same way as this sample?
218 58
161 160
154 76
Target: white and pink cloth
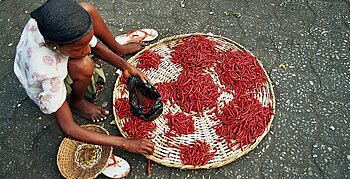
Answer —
41 70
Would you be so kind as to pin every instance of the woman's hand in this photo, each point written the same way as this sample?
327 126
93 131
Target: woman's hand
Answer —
131 48
132 71
140 146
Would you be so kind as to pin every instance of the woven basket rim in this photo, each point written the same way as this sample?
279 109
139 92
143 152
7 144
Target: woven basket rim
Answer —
218 164
66 138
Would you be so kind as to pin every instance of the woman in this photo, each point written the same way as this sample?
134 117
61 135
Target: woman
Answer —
56 42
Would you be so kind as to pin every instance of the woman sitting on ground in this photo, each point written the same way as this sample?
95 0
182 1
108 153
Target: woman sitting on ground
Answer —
55 45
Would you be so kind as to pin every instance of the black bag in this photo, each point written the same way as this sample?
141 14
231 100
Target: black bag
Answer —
145 101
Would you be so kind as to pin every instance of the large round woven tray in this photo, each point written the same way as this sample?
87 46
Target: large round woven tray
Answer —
69 164
167 72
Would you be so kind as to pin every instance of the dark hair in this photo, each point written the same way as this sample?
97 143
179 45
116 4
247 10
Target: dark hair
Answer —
62 21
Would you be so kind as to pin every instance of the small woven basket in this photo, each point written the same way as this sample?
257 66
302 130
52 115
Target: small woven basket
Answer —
167 72
80 160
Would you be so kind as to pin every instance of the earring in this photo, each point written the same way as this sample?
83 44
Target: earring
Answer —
55 48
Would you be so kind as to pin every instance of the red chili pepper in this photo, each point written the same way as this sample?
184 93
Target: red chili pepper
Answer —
148 167
123 80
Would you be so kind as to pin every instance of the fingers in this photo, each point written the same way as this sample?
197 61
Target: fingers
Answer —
144 78
148 146
149 143
142 44
135 72
147 151
141 146
126 73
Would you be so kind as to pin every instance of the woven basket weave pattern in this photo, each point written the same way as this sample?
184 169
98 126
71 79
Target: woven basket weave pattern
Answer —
168 72
66 159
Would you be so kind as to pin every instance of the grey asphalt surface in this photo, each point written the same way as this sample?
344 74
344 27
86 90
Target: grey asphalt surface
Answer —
310 133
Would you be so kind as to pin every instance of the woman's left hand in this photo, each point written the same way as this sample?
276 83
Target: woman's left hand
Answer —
132 71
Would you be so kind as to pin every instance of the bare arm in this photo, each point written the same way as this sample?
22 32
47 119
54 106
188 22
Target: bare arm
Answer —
110 57
67 125
102 32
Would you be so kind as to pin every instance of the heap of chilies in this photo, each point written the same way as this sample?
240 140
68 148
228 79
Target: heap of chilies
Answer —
165 90
135 127
239 71
123 108
179 124
195 53
138 128
194 90
196 154
149 59
147 105
243 119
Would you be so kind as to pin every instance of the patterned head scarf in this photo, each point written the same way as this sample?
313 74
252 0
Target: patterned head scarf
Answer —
62 21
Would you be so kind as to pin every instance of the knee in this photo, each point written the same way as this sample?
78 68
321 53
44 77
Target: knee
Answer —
88 7
81 68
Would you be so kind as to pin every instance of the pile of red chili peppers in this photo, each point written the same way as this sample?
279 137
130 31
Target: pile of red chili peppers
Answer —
179 124
194 90
239 71
147 105
195 52
149 59
138 128
135 127
123 108
196 154
242 119
165 90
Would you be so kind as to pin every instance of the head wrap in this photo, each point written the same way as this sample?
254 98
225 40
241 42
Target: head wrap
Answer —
62 21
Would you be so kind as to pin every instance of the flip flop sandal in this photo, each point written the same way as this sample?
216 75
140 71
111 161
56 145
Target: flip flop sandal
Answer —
116 167
143 35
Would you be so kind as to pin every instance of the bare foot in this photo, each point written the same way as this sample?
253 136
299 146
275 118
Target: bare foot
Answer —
131 48
89 110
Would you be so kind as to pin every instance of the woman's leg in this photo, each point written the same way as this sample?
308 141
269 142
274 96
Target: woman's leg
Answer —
105 35
81 71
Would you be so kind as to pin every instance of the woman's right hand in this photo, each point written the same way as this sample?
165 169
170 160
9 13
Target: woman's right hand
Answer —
141 146
132 71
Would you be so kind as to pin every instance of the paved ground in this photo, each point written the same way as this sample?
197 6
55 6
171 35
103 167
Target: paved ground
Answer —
310 134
